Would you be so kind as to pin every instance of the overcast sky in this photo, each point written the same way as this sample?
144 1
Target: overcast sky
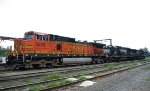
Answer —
127 22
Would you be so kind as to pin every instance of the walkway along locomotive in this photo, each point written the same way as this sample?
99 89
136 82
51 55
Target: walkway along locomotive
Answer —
43 50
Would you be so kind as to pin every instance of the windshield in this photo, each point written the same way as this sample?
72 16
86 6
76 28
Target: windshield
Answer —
26 37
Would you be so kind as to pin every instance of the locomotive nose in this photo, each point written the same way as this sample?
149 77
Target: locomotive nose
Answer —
26 45
23 46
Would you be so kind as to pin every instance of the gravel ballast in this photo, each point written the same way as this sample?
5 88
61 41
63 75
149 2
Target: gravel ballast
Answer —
137 79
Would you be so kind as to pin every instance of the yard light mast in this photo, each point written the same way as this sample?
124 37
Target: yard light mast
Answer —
105 40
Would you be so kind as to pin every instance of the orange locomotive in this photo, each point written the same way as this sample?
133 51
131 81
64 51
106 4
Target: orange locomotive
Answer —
40 50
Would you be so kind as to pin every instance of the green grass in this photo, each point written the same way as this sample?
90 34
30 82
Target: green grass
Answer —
36 88
82 78
53 84
109 66
147 78
81 73
58 83
147 58
147 68
50 84
65 82
28 81
131 64
52 76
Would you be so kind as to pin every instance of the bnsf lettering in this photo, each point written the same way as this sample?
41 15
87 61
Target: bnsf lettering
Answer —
40 44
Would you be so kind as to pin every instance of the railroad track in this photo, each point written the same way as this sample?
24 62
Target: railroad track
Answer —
35 74
41 73
4 67
108 73
96 73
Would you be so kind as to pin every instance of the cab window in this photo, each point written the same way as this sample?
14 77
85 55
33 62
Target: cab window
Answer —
28 35
39 37
46 37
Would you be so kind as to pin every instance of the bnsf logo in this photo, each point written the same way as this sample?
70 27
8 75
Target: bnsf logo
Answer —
40 44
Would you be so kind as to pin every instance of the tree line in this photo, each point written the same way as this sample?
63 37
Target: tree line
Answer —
3 52
146 51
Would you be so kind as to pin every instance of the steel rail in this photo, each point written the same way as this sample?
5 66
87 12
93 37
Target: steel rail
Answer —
42 82
21 76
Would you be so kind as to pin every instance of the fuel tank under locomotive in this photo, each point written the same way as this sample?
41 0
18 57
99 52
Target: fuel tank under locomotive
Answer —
76 60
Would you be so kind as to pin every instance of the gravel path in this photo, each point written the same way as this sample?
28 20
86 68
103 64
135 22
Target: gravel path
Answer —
137 79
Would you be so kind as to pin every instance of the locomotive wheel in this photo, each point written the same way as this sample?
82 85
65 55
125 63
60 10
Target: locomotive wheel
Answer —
54 62
60 61
96 62
35 66
48 65
102 61
21 68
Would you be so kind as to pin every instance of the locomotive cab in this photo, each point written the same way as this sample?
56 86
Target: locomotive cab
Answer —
26 44
29 35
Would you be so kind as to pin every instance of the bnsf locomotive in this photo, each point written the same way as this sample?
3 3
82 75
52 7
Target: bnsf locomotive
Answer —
44 50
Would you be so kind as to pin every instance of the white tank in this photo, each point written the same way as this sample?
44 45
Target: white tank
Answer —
76 60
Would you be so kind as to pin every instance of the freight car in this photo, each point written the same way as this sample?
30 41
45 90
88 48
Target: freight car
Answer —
118 53
44 50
